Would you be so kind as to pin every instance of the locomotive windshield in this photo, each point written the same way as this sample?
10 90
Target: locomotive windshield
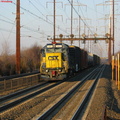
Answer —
54 48
50 50
43 52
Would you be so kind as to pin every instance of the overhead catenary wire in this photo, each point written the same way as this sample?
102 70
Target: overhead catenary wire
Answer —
38 5
51 23
44 15
80 16
22 26
38 10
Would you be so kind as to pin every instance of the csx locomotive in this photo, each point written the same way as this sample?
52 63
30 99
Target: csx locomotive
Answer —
58 61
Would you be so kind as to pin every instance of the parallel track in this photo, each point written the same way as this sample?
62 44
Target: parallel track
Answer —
88 94
46 95
53 111
18 76
23 95
11 100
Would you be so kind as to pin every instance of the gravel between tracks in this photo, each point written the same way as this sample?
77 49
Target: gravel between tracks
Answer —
106 95
32 107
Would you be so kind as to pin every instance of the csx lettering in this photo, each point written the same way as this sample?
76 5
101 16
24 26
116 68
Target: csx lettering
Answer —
53 58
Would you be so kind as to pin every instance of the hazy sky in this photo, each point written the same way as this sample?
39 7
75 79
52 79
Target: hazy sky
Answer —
37 21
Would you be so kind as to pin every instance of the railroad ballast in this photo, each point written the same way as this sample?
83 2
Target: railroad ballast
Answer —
59 60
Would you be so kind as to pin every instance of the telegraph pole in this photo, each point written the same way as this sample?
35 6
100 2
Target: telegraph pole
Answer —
79 30
54 19
17 34
113 28
71 19
18 37
109 46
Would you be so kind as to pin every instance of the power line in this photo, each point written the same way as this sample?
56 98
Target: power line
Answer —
38 9
80 16
39 17
7 21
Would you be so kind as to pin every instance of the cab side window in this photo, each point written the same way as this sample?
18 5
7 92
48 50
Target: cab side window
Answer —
43 52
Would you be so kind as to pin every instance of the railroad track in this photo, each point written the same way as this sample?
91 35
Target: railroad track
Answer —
46 97
67 103
16 98
11 100
18 76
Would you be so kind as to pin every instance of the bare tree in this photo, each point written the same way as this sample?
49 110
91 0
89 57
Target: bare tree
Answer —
30 60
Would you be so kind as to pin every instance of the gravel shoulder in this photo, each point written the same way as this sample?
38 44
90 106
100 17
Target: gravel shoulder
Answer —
107 95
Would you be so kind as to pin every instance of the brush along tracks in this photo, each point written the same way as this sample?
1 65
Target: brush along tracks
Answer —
59 102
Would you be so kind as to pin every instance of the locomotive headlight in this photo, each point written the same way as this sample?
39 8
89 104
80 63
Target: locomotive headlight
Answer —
60 70
47 70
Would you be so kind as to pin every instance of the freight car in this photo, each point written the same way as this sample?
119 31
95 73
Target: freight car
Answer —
58 61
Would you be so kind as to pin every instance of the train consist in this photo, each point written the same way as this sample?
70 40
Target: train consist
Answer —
58 61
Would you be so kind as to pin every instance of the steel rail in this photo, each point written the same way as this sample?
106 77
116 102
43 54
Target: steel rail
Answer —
46 114
16 102
18 75
86 98
20 92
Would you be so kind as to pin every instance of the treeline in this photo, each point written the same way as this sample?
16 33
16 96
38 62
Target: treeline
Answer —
30 61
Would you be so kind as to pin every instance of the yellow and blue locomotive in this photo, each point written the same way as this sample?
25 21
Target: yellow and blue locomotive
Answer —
54 61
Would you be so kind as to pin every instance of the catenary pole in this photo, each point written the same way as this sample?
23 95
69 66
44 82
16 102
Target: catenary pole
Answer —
18 37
